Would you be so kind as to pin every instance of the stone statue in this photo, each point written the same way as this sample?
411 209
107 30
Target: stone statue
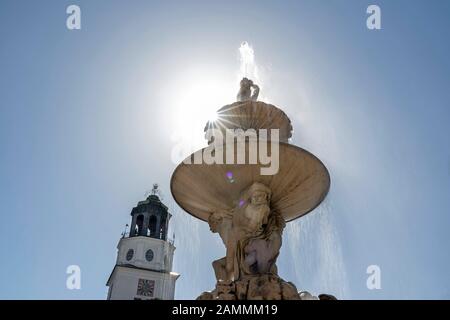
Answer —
251 233
245 92
257 231
221 222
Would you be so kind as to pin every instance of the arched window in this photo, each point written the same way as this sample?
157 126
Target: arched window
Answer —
139 224
152 226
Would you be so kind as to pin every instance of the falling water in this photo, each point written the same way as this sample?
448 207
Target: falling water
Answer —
187 241
316 253
248 67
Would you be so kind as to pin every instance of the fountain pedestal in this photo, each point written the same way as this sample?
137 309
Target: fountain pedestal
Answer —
256 287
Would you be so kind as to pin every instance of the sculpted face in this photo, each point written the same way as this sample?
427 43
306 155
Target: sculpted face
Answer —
255 213
258 198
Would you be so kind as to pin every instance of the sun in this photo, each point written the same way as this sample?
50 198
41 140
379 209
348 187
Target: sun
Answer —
196 104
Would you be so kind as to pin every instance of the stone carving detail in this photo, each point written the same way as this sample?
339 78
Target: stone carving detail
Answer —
245 92
261 287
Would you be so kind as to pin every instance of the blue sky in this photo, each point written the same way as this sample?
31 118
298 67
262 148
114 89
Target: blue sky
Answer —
87 123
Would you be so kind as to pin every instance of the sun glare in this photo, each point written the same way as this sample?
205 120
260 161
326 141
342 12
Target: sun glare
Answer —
197 101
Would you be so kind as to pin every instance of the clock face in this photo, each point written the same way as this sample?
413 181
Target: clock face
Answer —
145 288
130 254
149 255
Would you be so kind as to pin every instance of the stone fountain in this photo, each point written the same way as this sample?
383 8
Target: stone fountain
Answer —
245 206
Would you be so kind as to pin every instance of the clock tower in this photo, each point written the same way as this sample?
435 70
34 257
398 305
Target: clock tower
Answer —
143 269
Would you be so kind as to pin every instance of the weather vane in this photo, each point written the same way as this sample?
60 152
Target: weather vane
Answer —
155 191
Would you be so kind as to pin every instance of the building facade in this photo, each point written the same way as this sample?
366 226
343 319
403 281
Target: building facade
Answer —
143 269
